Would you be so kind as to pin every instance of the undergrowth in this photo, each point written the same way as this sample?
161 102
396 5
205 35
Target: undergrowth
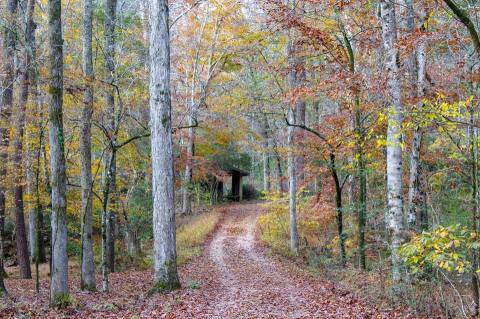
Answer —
192 236
434 294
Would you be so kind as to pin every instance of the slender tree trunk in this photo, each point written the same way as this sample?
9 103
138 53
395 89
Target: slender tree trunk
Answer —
266 169
187 187
414 200
361 203
298 77
279 171
18 136
417 71
339 209
266 159
87 271
292 185
163 185
46 180
105 218
394 216
59 279
110 20
473 143
6 107
292 161
33 156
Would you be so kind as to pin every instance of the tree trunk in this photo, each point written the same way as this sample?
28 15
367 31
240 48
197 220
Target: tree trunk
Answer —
163 185
266 159
87 269
187 187
292 161
473 143
361 174
339 209
417 73
110 20
33 156
292 184
105 218
394 216
18 136
59 279
298 79
279 171
6 113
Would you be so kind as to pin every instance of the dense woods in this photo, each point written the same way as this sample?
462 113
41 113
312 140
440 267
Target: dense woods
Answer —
132 132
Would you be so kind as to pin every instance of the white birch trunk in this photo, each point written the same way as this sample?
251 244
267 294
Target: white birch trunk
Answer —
394 217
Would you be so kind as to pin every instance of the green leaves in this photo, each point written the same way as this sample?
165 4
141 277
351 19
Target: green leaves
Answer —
442 248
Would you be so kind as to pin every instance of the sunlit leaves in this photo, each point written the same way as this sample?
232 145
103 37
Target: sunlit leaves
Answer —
443 248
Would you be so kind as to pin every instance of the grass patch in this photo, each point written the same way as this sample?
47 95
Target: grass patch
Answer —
192 235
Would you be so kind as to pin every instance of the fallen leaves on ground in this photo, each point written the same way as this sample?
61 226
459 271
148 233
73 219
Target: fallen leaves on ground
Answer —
232 279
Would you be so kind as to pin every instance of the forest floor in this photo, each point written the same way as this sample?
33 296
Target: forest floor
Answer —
234 278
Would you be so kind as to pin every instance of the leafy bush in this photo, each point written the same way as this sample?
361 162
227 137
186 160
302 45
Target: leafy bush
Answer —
442 248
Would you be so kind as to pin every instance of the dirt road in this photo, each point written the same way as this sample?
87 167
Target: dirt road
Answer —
233 279
242 282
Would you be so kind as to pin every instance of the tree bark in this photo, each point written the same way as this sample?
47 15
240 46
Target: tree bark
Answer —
87 269
105 218
18 136
266 158
339 209
292 161
417 72
292 185
5 115
361 203
473 145
163 185
59 276
394 216
110 168
187 187
33 155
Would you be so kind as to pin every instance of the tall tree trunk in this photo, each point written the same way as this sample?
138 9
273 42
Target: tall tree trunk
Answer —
292 161
59 279
416 66
298 77
473 146
394 216
46 182
33 156
18 135
361 203
292 184
87 271
187 187
278 170
266 158
5 115
110 20
105 218
163 185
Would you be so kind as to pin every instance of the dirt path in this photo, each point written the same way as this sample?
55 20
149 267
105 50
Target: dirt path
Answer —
243 283
233 279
